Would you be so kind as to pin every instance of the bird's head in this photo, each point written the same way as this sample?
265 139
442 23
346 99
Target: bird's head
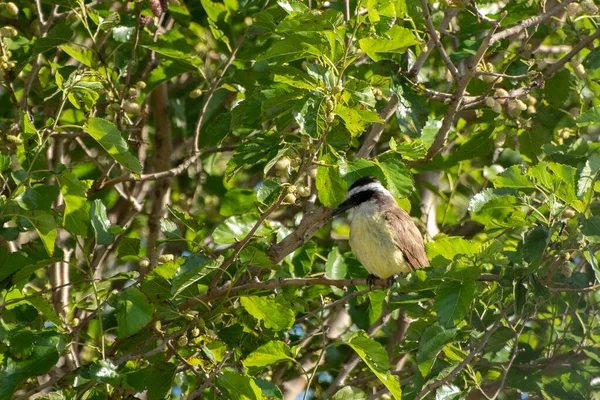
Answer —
362 191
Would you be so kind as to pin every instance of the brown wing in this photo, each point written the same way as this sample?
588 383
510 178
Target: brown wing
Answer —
408 238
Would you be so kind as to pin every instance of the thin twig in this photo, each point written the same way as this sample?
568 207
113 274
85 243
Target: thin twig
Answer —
454 373
450 13
526 23
436 40
459 93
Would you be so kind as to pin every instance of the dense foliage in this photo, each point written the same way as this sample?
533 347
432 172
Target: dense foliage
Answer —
168 169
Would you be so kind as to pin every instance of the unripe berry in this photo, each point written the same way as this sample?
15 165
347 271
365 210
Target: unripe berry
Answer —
182 341
195 332
289 199
141 85
501 93
194 94
521 105
13 139
132 108
12 8
329 105
580 71
248 21
133 92
493 104
588 7
283 164
8 31
572 9
144 262
304 191
565 269
163 258
500 139
514 109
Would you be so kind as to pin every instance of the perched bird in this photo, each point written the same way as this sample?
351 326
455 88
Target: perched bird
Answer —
382 235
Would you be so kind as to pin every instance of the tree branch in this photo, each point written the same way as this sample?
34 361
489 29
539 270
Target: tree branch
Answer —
454 373
271 284
376 128
526 23
457 98
436 40
450 13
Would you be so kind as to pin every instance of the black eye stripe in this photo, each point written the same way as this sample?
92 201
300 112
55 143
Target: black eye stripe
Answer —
361 197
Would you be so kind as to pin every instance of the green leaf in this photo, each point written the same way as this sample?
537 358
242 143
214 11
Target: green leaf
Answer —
76 218
589 118
269 191
396 40
45 349
349 393
161 380
443 251
409 151
4 162
534 245
105 372
479 201
129 249
331 187
100 223
216 130
592 60
356 119
170 229
269 389
235 228
376 358
46 226
397 175
531 143
59 34
513 178
133 311
453 301
432 341
311 22
590 227
194 269
164 72
294 77
556 90
267 354
588 175
109 137
335 267
358 168
238 387
274 315
39 197
238 201
294 47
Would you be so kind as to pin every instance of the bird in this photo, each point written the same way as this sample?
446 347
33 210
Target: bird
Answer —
383 236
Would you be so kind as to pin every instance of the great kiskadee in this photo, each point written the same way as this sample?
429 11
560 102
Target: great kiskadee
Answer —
382 235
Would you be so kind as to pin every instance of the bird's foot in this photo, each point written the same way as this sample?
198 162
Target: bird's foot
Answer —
391 280
371 280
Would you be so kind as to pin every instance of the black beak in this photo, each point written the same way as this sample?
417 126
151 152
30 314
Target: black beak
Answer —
346 205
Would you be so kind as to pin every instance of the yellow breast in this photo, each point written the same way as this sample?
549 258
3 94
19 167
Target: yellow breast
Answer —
372 242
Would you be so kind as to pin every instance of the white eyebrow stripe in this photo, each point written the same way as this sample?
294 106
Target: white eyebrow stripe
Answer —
375 186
